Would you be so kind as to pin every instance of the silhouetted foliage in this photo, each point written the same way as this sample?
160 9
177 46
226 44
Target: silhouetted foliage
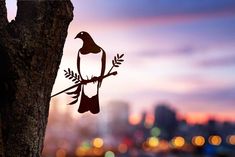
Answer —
72 76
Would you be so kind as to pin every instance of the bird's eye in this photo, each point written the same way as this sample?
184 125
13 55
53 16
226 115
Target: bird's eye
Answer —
81 33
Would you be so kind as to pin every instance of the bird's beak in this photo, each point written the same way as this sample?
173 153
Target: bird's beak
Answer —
77 36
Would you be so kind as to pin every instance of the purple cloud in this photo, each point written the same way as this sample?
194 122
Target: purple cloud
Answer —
143 8
215 62
181 51
225 94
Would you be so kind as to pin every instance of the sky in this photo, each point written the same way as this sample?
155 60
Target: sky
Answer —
180 52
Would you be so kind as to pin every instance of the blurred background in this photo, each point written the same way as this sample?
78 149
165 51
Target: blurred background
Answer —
173 96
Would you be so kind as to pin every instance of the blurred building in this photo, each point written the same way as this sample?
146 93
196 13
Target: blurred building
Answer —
113 121
166 121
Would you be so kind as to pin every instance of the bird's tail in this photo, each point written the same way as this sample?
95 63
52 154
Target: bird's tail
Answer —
89 104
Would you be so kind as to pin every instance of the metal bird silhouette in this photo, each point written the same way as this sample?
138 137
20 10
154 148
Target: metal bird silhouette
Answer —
91 62
92 54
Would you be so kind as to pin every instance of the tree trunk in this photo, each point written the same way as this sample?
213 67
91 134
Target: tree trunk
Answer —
31 48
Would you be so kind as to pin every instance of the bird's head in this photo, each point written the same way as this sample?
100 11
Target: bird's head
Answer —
83 35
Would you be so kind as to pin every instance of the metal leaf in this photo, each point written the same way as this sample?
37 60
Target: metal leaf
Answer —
75 97
70 93
79 90
65 72
73 102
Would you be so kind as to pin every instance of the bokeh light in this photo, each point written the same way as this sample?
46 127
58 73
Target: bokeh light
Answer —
198 140
122 148
109 154
215 140
231 139
81 151
83 148
153 142
134 119
98 142
149 121
60 153
178 142
155 131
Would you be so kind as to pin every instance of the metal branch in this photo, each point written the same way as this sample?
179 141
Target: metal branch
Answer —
86 81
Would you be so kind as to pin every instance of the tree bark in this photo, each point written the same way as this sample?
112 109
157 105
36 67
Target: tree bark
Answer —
31 48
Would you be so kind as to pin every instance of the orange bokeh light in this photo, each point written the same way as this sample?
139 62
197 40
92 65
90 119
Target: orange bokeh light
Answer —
153 142
231 139
60 153
98 142
198 141
178 142
134 119
215 140
122 148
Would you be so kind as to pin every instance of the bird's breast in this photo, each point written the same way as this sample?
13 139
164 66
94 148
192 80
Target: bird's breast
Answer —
90 65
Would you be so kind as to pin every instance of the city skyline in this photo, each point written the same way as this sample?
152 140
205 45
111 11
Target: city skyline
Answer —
110 131
179 52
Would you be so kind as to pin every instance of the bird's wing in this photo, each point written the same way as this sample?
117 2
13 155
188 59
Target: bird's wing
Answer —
78 66
103 60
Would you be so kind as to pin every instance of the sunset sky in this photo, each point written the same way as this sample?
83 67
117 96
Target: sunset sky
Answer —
177 51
